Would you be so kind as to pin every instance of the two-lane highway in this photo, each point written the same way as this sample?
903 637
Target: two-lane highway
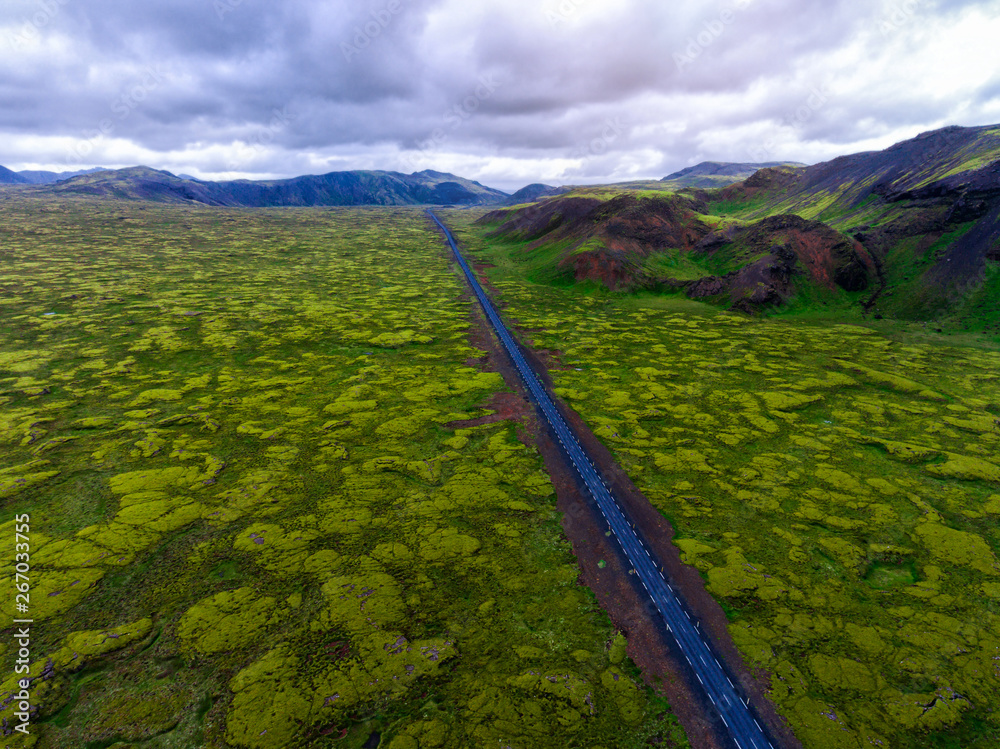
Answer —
743 727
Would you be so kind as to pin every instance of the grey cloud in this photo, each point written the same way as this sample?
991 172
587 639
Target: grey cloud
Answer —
223 70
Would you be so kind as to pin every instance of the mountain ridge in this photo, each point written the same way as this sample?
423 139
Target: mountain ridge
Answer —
347 188
9 177
41 177
709 174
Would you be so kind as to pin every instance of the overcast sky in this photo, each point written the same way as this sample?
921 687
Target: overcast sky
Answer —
503 91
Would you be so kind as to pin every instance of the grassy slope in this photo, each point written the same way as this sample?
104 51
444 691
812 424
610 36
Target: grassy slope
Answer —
542 264
836 485
906 265
250 524
909 262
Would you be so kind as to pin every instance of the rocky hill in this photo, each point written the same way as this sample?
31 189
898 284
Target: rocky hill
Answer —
928 210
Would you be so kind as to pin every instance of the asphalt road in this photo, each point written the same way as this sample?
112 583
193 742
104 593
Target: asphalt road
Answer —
719 689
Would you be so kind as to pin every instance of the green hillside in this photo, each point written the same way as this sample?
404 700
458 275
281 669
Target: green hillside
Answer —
912 232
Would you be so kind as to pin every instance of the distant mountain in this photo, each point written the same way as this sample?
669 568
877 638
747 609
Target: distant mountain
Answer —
7 177
48 178
334 189
534 192
710 174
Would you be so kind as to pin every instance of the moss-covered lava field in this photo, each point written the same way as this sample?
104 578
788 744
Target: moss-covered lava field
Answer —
259 516
838 486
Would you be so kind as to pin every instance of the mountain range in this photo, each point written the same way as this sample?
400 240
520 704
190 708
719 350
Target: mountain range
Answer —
334 189
7 177
30 177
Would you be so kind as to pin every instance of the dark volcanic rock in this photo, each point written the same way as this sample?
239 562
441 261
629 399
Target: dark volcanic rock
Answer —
707 286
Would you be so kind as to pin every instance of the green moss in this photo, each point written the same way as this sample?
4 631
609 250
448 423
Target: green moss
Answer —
842 673
15 480
625 694
437 545
276 549
957 547
840 481
992 505
618 646
153 396
896 382
907 453
99 642
95 422
228 620
886 576
269 707
136 716
54 592
789 401
154 512
833 483
396 551
925 712
176 477
966 468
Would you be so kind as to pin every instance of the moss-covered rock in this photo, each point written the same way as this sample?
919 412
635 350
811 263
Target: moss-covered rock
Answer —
19 478
271 705
156 395
227 621
625 694
54 592
618 648
842 673
966 468
957 547
789 401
